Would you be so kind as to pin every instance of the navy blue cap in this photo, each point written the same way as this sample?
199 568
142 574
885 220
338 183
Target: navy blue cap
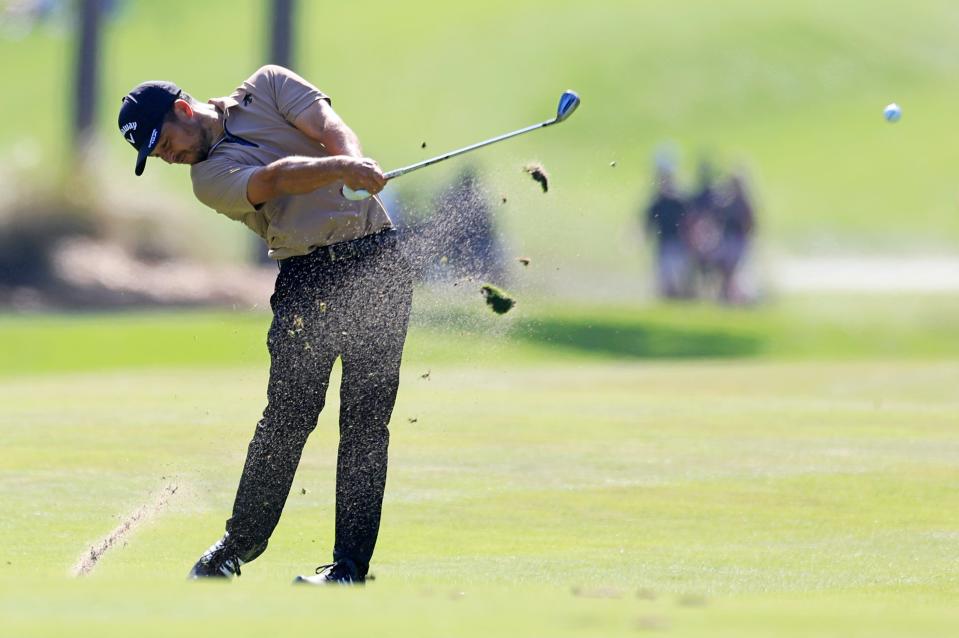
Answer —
142 114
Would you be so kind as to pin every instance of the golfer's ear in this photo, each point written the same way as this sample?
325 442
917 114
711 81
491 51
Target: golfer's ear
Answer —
183 109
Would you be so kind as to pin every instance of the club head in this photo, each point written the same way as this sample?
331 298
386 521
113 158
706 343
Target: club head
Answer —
568 102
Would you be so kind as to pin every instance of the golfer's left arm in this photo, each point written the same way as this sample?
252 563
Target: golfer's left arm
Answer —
321 123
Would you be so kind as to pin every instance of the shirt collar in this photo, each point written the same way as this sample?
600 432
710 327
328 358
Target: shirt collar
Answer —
225 103
222 104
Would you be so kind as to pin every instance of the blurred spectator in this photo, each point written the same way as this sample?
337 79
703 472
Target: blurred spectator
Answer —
704 195
19 17
666 157
703 232
737 223
30 10
703 238
666 218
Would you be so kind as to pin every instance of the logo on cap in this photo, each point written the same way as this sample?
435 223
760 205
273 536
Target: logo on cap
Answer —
129 127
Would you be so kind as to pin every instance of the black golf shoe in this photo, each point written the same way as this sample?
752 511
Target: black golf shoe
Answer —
223 560
339 573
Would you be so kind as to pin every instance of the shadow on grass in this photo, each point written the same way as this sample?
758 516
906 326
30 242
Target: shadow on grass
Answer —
638 339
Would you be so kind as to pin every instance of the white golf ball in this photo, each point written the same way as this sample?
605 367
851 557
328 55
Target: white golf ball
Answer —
892 113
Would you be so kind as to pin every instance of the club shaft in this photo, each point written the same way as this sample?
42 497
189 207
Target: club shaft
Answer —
439 158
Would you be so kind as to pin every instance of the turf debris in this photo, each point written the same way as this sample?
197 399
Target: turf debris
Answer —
538 173
497 299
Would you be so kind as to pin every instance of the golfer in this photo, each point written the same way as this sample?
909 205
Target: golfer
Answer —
274 156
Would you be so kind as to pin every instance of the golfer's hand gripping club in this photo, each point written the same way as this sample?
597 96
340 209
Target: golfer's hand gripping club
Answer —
568 102
361 194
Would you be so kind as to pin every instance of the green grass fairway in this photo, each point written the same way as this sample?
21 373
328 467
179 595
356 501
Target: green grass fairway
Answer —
534 490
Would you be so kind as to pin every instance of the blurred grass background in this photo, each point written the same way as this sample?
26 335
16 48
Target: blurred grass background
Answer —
791 91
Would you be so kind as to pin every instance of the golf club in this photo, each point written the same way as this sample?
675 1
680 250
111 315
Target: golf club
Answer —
568 102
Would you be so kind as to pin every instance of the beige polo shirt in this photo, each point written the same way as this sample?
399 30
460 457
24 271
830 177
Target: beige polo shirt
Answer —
259 129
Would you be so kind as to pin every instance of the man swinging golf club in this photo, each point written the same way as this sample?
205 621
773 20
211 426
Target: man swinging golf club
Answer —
275 156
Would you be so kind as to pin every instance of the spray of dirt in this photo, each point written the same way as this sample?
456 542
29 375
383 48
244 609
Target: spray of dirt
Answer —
118 537
456 244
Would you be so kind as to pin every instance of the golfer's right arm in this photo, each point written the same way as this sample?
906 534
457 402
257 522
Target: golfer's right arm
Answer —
298 175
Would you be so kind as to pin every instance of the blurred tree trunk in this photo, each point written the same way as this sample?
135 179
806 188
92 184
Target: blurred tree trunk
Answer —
281 34
281 52
86 73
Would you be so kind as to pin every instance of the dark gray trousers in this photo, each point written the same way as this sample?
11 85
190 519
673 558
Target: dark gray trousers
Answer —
357 309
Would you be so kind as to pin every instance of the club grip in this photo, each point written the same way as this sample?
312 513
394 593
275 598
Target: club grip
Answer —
354 195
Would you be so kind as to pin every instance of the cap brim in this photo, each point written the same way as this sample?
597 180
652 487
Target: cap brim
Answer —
144 152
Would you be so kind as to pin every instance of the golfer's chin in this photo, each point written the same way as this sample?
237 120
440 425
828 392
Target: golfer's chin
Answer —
193 158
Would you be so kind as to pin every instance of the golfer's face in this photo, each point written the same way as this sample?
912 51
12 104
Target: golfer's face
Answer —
181 143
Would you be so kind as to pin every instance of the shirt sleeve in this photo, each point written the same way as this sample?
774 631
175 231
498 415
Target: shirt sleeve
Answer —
291 93
221 185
